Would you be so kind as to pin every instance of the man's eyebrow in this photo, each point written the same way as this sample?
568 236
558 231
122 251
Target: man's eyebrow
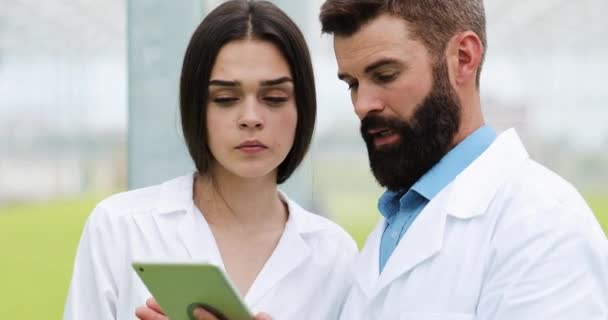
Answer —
382 63
224 83
274 82
343 76
374 66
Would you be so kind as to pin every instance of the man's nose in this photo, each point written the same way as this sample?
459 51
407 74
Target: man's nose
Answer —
366 100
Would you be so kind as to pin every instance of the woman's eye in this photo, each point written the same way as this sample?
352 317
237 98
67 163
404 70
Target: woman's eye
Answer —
273 100
224 101
352 85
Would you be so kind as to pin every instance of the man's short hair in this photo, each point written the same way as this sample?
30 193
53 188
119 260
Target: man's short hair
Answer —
434 22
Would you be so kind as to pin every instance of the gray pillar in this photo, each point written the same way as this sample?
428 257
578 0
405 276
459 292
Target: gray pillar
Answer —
158 33
300 186
300 12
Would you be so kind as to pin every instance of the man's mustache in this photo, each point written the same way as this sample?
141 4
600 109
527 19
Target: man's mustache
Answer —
375 122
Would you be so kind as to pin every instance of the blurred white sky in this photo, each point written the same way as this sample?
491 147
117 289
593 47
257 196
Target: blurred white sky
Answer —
63 63
547 56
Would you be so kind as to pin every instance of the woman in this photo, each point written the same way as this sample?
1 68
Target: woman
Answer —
247 103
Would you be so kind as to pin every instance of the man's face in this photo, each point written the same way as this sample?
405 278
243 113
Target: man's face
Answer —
408 109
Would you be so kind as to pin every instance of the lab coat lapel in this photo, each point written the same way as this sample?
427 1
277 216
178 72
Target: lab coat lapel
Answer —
466 197
178 217
196 236
291 251
476 186
422 240
366 267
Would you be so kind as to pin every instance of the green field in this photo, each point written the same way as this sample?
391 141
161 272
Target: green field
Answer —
38 243
599 203
37 247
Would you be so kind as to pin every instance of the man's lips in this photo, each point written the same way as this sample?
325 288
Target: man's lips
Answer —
383 136
380 132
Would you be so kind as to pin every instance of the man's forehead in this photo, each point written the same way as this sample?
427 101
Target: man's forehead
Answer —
357 59
385 37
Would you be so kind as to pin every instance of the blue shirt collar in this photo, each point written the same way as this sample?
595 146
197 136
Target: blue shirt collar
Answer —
442 173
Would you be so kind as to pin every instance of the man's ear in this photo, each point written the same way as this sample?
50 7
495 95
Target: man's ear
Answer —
464 55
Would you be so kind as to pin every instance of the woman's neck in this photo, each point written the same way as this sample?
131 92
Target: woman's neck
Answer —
228 200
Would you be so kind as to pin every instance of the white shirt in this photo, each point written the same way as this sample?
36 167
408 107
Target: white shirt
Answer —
305 277
507 239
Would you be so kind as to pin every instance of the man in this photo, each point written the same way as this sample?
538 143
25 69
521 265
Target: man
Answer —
473 228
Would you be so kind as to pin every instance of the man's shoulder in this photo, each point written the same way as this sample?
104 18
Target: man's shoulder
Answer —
536 203
536 187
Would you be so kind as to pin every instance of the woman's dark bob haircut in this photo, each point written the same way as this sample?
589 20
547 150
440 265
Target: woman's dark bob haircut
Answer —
238 20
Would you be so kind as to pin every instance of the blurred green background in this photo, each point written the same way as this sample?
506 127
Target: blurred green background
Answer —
38 243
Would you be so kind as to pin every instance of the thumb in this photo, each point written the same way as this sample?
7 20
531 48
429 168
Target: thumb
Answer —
262 316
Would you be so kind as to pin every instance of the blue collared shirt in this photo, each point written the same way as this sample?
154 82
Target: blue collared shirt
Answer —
401 209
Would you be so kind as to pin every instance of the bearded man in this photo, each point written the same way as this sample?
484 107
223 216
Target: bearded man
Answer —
472 228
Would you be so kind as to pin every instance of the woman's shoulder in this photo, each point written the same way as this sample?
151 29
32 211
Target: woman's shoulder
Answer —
156 198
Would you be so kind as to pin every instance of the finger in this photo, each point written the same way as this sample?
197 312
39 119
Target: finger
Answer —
145 313
262 316
152 304
202 314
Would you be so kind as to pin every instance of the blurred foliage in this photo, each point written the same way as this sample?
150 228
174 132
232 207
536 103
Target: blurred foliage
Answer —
598 201
38 243
37 248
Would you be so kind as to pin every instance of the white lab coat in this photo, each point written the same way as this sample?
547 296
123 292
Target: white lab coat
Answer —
506 240
305 277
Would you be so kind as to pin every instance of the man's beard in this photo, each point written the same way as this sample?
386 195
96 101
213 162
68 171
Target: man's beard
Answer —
423 140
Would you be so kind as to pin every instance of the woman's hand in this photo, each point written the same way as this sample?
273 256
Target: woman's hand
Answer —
152 311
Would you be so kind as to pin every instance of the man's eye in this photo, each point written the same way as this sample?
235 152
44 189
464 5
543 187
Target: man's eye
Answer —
272 100
384 78
352 85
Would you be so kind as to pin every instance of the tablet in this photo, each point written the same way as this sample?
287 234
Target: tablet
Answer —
179 288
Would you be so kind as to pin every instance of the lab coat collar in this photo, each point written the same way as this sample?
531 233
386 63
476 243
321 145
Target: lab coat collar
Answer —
485 175
292 249
178 217
176 197
468 196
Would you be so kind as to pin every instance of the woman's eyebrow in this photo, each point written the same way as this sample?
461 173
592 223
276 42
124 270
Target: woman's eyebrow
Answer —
274 82
224 83
265 83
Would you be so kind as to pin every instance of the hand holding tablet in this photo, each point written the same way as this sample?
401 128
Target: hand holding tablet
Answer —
181 288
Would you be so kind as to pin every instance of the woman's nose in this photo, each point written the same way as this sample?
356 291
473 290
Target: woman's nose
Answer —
251 117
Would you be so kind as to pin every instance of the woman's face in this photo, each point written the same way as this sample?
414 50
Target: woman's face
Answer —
251 111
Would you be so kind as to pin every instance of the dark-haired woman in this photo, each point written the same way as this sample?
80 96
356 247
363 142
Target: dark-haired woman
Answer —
247 103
